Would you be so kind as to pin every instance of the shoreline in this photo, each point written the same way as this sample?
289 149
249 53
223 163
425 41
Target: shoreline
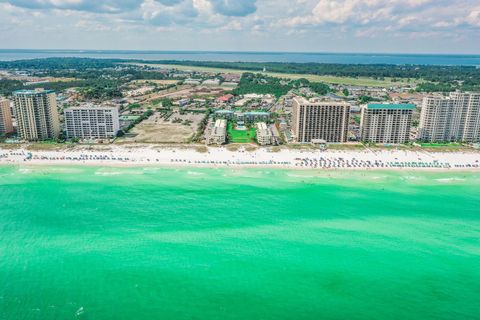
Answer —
221 157
187 167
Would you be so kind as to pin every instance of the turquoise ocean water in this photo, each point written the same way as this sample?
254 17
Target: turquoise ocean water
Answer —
155 243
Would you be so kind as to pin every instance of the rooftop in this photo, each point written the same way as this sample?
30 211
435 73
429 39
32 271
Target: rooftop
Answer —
32 92
225 98
224 111
220 123
262 126
257 113
90 107
391 106
329 102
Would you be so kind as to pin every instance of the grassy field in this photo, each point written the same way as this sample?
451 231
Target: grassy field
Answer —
314 78
440 145
444 147
332 146
239 136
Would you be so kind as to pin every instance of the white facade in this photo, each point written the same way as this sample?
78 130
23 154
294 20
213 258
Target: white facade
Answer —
386 123
264 135
218 133
320 120
452 118
92 122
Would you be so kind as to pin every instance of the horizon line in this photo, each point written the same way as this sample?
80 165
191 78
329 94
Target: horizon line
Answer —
237 51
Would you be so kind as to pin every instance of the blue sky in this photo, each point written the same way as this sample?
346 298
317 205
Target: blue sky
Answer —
416 26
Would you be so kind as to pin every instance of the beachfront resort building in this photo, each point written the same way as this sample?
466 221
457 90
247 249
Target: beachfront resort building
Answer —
452 118
386 123
218 133
223 114
92 122
37 115
326 120
254 116
264 134
250 117
6 125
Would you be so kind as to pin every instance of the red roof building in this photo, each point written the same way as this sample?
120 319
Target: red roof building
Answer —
225 98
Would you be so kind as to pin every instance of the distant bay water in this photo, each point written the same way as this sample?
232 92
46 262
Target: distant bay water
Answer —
342 58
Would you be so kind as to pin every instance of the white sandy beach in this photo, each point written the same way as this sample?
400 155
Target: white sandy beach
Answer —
262 157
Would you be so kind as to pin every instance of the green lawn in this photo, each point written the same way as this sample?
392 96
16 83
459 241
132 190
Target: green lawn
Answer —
440 145
238 136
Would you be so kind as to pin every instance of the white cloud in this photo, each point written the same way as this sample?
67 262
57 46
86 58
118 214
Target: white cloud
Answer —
107 6
474 17
319 24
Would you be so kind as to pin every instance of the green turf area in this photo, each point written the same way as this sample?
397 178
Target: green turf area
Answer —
440 145
239 136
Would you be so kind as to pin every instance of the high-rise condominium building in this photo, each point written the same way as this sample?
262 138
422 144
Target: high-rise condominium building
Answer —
320 120
37 115
452 118
386 123
92 122
6 125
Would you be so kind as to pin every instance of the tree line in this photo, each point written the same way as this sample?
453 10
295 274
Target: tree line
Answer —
437 78
261 84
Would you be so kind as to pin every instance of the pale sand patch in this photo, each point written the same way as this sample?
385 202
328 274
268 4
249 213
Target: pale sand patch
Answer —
200 156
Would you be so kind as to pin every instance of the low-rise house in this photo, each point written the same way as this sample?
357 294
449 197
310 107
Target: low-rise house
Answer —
264 135
218 133
255 116
225 98
223 114
211 82
192 82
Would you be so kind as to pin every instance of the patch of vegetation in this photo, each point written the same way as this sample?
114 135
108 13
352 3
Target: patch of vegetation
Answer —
147 114
367 99
202 126
165 102
448 87
440 145
435 74
262 84
241 136
102 90
133 106
429 78
59 64
8 86
257 83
